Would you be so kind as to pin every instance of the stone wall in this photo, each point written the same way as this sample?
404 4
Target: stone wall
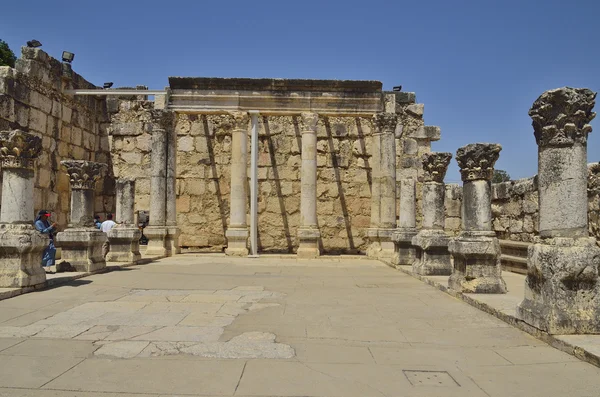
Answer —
32 99
203 172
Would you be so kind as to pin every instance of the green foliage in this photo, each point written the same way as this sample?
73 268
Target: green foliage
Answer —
7 57
500 176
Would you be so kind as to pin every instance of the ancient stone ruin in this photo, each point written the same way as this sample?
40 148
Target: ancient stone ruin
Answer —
307 167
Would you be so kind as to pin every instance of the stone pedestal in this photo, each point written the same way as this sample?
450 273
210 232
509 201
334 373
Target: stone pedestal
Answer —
383 199
157 241
237 242
432 256
124 244
81 243
405 253
237 232
172 240
562 288
21 245
476 251
82 248
308 232
124 238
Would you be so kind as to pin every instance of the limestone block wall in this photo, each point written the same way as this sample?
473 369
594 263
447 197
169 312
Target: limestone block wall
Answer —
32 99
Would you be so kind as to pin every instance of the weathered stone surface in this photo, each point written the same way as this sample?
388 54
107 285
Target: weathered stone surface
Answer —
435 165
124 244
476 161
432 257
82 248
21 248
562 289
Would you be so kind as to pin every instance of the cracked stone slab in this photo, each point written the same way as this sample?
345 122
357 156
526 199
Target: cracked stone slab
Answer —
183 334
122 349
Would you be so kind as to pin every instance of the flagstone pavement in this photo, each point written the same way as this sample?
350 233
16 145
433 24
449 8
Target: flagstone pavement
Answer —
210 325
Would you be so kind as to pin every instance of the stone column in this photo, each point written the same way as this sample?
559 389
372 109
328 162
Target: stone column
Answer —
156 231
237 232
21 245
171 184
562 288
431 241
383 199
124 238
308 233
476 250
81 242
405 253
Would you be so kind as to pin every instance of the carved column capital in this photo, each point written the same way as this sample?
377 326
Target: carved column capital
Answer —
84 174
309 121
561 116
240 120
19 149
435 165
385 122
476 161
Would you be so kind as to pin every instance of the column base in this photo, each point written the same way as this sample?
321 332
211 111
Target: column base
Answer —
432 256
477 267
157 241
82 248
237 241
562 288
308 246
172 242
21 251
124 244
404 253
381 246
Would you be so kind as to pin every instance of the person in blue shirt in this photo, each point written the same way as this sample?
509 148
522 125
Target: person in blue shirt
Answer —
97 221
43 226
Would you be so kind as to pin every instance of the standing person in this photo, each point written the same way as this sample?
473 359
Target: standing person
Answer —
97 221
44 226
106 226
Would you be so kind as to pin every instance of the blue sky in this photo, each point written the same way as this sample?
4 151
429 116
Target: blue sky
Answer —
476 65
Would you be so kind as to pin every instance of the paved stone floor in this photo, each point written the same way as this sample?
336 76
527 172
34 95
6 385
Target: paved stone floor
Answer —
215 326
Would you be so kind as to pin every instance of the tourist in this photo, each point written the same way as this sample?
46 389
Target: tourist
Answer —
97 221
43 226
106 226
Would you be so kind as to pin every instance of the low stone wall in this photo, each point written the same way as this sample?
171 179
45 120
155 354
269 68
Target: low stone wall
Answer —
32 99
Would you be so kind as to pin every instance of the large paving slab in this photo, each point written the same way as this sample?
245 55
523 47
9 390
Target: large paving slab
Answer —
209 325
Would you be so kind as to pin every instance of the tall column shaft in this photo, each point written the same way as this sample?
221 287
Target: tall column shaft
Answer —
171 179
433 205
308 203
17 195
407 219
158 194
376 181
125 201
477 210
82 207
308 233
388 180
562 189
239 178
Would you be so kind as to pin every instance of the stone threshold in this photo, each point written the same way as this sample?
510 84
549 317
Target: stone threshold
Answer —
53 280
503 306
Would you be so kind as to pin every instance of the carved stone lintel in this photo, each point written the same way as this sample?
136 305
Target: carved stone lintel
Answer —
435 165
240 120
385 122
84 174
561 116
19 149
309 121
476 161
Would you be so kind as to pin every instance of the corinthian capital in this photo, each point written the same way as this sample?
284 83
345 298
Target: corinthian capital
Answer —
435 165
385 122
309 121
561 117
19 149
240 120
476 161
83 174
